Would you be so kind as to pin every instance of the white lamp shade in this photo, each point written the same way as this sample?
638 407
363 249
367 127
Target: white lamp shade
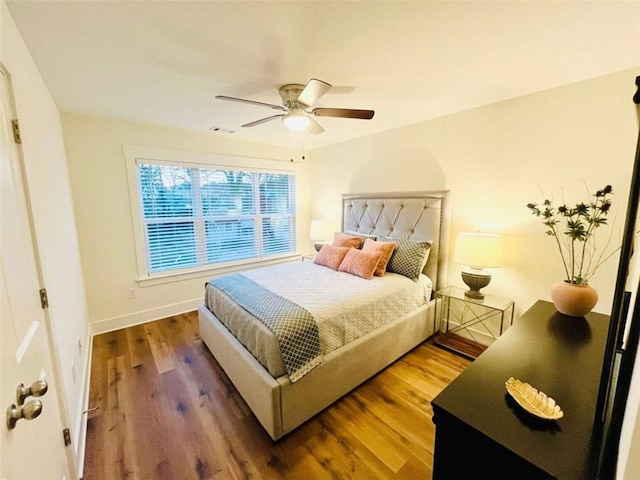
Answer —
478 250
321 230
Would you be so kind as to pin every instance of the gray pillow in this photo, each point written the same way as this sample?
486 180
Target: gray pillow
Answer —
363 236
409 257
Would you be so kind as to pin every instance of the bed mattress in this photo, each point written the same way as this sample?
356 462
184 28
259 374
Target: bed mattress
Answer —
344 306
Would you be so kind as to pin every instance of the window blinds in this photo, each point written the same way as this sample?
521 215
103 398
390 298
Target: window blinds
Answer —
196 216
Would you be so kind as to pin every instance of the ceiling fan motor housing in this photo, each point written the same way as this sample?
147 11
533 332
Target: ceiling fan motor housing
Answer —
290 93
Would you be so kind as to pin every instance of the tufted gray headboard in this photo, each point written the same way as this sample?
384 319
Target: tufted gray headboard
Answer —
413 215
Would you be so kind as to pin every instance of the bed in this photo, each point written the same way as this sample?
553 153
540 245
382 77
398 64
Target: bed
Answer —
282 402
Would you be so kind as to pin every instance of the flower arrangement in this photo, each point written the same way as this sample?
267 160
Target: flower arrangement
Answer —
573 229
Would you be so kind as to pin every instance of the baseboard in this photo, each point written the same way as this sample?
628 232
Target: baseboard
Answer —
144 316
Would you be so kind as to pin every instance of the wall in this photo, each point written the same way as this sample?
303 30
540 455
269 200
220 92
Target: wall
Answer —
496 159
53 216
101 198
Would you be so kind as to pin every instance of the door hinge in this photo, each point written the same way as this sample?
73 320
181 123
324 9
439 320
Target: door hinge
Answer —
44 300
66 434
16 131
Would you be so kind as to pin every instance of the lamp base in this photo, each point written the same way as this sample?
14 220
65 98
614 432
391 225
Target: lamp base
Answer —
318 245
475 281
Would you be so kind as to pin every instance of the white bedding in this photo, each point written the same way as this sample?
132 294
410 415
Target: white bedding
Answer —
344 306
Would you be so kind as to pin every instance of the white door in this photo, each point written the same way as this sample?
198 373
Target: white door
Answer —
33 449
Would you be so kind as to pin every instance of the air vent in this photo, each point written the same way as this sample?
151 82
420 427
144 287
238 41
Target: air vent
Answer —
215 129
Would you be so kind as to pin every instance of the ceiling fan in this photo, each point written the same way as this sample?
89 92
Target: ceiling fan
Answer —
297 105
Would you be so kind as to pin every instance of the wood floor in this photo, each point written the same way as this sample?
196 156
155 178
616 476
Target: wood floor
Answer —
461 345
168 411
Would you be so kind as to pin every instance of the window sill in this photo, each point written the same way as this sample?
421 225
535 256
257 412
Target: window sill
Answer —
214 271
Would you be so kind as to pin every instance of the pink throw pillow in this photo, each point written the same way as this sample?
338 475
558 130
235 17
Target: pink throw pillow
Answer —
385 249
345 240
331 256
362 264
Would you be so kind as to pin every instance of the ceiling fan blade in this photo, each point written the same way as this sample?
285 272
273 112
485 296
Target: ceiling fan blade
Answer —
313 91
343 113
262 120
250 102
314 127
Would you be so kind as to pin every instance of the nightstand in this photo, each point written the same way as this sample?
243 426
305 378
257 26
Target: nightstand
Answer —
467 325
309 257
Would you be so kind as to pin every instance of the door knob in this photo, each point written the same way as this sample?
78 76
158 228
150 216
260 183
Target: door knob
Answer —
28 411
37 389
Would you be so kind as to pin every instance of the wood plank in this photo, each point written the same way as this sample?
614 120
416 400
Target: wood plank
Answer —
144 413
369 431
167 410
162 351
138 345
461 344
414 424
365 464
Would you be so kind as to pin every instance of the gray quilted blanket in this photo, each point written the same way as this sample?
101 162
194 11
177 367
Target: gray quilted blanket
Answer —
293 326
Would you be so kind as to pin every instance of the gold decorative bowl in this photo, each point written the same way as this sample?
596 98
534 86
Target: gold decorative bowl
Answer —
535 402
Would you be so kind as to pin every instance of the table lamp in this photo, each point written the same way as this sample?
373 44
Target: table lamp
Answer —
477 251
321 232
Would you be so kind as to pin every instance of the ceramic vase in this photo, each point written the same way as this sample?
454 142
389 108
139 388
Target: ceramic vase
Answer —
573 300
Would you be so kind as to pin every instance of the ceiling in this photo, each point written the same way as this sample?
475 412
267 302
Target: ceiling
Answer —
163 62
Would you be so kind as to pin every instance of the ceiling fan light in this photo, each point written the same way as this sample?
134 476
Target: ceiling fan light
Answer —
296 121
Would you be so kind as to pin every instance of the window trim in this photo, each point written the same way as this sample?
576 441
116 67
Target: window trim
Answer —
211 271
134 154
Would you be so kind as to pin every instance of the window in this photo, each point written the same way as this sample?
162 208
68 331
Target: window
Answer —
195 216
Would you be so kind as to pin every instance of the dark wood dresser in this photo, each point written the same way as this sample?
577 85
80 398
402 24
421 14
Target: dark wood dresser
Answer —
482 433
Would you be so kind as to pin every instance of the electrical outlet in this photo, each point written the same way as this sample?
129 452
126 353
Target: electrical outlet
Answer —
133 293
74 374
